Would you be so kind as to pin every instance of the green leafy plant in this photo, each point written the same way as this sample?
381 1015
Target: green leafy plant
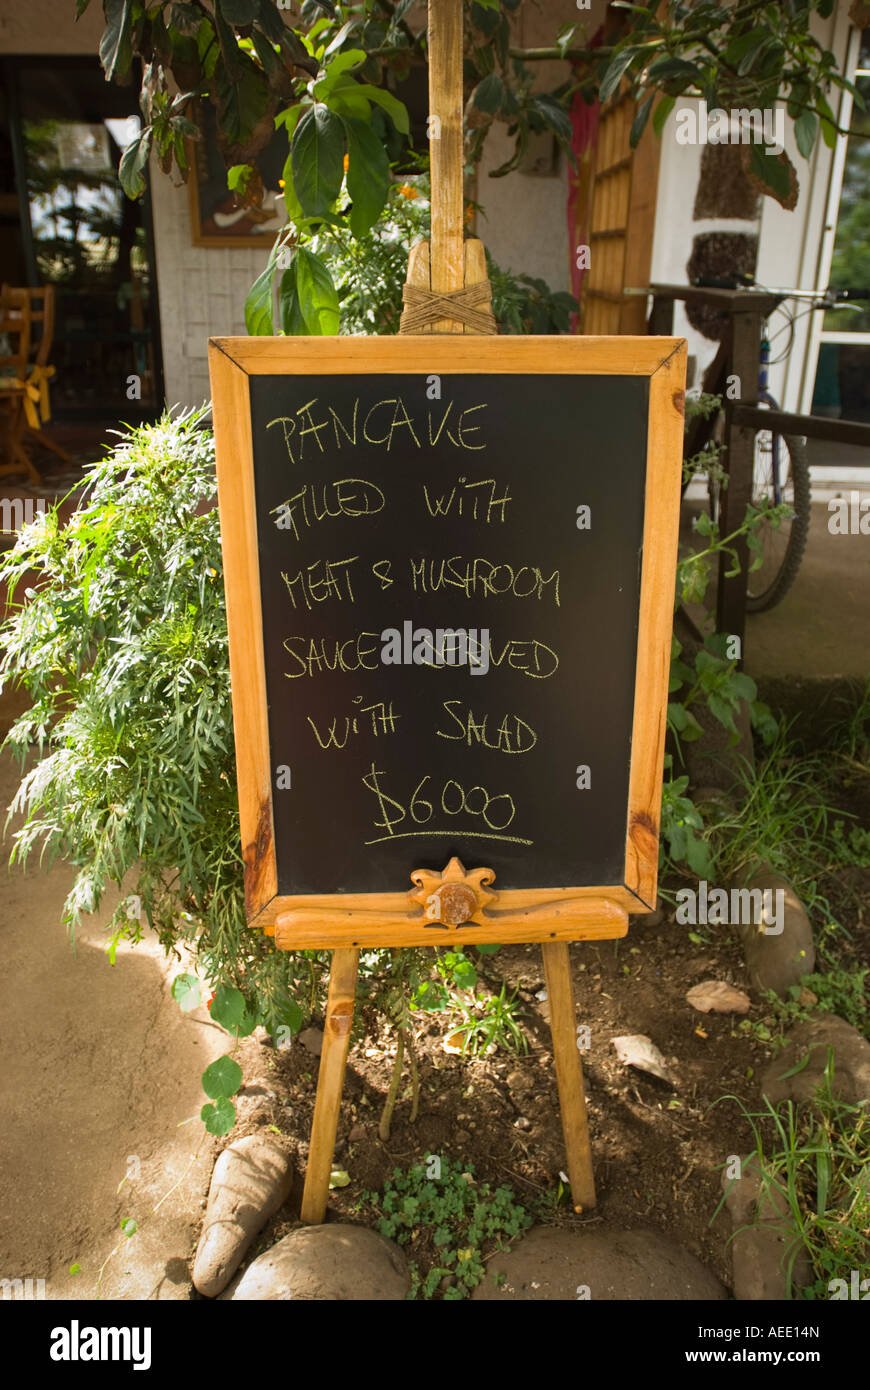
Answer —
745 56
328 82
461 1221
352 281
126 747
488 1022
837 991
813 1160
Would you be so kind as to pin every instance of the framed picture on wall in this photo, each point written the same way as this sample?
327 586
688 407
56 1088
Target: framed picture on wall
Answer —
217 219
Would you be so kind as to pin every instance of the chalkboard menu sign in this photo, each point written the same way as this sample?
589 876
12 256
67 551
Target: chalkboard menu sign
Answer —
449 568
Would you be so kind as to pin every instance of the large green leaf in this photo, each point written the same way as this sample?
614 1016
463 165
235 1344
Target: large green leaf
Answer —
243 100
291 202
770 170
223 1078
268 57
270 20
550 110
228 1006
641 116
317 153
613 76
220 1117
258 305
744 44
395 109
661 113
238 11
185 991
805 130
184 17
134 161
292 321
347 99
318 299
343 62
368 175
668 69
116 52
489 94
289 119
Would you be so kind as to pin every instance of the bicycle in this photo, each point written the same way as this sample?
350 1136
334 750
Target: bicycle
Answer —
781 472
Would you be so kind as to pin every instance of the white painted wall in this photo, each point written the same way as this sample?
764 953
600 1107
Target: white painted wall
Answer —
788 241
525 226
202 291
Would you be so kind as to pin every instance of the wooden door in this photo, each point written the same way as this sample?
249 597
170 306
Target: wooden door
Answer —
622 223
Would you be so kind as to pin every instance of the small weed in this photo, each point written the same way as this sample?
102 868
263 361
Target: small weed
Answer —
817 1168
463 1222
490 1022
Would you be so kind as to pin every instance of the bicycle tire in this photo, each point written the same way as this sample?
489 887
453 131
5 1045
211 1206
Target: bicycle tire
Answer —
779 585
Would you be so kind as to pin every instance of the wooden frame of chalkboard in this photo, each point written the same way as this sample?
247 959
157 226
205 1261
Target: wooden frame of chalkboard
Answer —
336 919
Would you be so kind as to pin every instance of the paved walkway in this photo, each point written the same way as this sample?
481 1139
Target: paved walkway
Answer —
822 626
100 1068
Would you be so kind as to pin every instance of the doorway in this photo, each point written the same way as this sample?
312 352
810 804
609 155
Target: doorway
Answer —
62 131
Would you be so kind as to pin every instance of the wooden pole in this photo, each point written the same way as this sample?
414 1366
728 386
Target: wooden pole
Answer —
446 254
330 1080
569 1073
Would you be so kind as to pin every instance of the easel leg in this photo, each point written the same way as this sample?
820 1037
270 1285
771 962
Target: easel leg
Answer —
569 1072
336 1041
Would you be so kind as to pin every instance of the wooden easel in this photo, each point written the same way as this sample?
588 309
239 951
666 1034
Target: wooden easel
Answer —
449 268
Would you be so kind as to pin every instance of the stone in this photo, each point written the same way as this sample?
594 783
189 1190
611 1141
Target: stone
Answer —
718 997
333 1262
551 1263
765 1243
312 1040
778 961
519 1081
252 1179
851 1062
357 1133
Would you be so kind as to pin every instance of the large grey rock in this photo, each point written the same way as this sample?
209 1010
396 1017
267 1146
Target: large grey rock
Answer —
851 1062
334 1262
252 1179
777 961
766 1251
550 1263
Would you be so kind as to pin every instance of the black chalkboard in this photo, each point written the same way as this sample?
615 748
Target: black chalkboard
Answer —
379 504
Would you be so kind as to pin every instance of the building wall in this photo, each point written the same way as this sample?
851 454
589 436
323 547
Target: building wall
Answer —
525 224
202 291
49 26
788 241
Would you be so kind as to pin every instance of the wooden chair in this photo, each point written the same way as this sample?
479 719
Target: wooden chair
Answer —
38 302
14 392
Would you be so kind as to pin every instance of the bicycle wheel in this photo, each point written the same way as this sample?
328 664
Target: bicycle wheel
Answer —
782 547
